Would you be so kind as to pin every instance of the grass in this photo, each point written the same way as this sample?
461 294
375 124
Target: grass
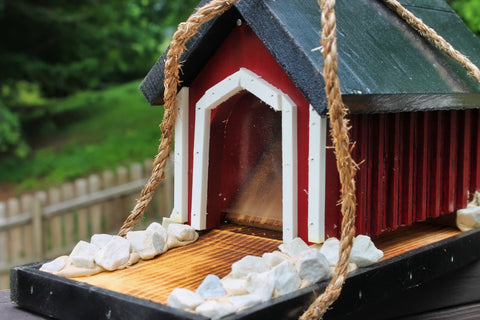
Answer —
99 130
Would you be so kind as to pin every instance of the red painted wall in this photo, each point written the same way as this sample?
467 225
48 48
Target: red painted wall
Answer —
242 49
416 166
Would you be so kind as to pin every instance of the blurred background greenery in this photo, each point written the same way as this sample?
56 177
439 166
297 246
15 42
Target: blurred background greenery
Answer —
69 76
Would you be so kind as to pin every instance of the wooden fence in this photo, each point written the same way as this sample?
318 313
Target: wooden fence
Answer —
48 224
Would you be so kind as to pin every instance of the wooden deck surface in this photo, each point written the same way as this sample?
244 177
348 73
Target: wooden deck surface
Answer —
216 250
183 267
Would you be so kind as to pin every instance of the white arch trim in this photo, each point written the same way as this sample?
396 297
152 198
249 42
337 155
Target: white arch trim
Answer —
245 79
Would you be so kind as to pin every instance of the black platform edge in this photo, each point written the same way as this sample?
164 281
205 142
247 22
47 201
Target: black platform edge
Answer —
62 298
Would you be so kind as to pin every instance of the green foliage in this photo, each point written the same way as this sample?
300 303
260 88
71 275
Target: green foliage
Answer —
112 127
54 48
10 133
469 11
64 46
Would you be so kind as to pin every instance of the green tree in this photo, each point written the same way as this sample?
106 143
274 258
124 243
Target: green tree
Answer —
53 48
469 11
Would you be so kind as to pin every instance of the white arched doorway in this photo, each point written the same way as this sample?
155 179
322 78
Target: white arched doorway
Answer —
245 80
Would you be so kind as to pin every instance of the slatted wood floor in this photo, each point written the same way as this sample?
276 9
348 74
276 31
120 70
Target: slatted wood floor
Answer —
216 250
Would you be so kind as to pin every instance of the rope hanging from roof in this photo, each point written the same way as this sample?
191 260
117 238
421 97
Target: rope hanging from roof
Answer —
434 38
346 166
184 32
337 113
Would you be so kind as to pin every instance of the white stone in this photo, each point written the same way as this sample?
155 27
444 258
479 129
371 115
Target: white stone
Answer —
55 265
211 287
244 301
167 221
234 286
182 232
274 258
147 243
364 252
114 254
286 278
184 299
469 218
158 228
294 247
313 266
83 254
248 264
100 240
330 249
214 309
134 258
180 235
261 284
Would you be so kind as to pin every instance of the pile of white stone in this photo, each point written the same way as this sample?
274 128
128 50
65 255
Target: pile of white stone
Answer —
257 279
110 252
469 218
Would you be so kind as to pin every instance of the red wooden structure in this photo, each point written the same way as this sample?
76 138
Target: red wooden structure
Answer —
252 105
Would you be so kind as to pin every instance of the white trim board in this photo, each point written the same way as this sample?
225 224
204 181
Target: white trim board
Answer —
316 176
180 158
245 79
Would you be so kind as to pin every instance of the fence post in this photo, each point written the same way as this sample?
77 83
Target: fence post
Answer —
3 238
38 227
95 210
109 208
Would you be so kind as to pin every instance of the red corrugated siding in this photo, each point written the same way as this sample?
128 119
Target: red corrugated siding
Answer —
416 166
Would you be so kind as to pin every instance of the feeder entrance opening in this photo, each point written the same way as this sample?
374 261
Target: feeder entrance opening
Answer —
245 167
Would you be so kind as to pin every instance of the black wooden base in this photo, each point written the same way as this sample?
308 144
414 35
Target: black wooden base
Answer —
436 276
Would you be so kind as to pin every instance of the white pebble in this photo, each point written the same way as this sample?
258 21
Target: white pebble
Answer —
330 250
182 232
313 266
364 252
273 259
55 265
234 286
158 228
286 278
261 284
114 254
294 247
469 218
180 235
244 301
147 243
211 287
248 264
100 240
214 309
83 254
184 299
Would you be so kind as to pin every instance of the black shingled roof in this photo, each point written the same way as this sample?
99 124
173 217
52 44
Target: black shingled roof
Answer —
384 65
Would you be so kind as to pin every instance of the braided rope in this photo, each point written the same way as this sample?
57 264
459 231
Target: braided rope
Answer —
346 166
435 38
172 65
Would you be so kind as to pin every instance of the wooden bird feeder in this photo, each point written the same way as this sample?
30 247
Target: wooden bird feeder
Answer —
252 145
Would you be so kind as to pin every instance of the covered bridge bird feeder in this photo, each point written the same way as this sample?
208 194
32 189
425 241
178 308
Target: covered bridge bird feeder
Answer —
252 148
251 140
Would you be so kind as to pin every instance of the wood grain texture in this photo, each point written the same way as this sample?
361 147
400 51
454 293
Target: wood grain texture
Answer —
216 250
184 267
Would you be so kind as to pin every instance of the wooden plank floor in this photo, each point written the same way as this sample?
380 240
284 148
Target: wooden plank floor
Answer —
184 267
412 237
216 250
